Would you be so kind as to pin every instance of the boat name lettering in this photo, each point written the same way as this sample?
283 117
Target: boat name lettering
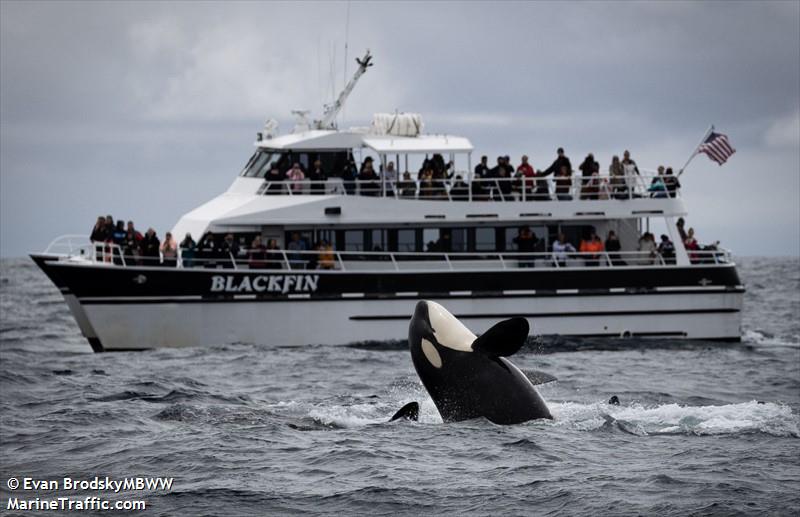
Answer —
264 283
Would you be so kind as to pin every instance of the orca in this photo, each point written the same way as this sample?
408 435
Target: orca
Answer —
469 377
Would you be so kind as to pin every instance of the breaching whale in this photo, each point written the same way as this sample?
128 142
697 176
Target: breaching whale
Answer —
469 377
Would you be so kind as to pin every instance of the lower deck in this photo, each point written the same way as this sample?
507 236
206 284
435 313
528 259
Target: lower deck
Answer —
125 308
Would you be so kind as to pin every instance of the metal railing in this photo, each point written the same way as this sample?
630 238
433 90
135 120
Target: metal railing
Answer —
82 250
523 188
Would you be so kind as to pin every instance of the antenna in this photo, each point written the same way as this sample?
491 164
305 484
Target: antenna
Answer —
328 120
346 38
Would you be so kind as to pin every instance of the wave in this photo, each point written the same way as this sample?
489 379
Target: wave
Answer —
743 418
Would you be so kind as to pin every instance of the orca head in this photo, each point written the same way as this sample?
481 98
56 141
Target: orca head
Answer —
433 330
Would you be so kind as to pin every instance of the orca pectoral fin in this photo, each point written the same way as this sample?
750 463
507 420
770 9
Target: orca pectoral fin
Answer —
504 339
408 412
536 377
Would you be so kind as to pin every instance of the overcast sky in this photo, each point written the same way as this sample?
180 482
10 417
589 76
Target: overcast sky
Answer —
146 110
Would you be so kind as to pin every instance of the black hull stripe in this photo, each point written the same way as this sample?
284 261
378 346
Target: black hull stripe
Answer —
438 296
555 314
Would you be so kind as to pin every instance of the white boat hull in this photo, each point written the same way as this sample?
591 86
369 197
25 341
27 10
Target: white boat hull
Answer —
715 314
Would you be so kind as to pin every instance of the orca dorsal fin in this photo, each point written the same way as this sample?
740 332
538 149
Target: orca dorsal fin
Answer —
504 339
408 412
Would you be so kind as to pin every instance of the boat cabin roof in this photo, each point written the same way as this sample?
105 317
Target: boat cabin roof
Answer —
320 139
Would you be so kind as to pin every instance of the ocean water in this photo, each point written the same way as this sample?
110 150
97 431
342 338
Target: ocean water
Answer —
702 429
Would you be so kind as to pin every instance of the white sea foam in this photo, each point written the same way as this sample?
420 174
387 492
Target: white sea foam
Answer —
746 417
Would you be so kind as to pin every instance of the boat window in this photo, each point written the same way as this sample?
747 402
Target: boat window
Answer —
354 240
259 164
458 239
484 239
406 240
379 240
430 236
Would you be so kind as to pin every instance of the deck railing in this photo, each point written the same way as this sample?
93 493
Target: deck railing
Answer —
80 249
646 185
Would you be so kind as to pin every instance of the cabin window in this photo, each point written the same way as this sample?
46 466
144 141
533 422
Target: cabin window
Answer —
406 240
485 239
378 240
259 163
458 240
354 240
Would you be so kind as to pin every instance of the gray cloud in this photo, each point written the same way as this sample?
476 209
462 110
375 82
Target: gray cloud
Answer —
145 110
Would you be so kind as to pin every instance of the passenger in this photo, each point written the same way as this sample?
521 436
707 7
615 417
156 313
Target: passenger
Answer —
672 182
133 240
229 251
257 254
207 250
150 247
612 248
561 248
648 250
680 226
327 258
99 235
188 248
631 171
440 183
603 189
526 242
666 249
482 169
274 179
118 239
526 172
297 247
169 251
460 190
690 243
588 168
407 187
349 175
317 177
560 162
274 255
564 184
296 177
616 173
503 186
481 174
369 185
594 248
498 171
390 179
109 232
509 167
658 187
427 189
542 192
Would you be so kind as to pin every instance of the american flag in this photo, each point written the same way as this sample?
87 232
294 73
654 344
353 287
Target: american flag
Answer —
717 147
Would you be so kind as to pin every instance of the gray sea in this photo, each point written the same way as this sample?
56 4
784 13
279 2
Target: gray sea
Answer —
702 429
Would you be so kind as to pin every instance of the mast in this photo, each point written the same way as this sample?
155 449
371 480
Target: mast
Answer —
328 120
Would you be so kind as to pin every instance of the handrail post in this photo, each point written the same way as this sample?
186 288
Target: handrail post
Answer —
394 262
502 261
233 260
447 259
341 262
286 260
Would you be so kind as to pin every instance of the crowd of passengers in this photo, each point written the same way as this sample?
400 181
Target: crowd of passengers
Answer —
123 244
437 179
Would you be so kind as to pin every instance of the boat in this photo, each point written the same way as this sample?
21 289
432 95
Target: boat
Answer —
389 241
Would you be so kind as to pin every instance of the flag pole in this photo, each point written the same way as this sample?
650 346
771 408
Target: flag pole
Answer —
694 153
